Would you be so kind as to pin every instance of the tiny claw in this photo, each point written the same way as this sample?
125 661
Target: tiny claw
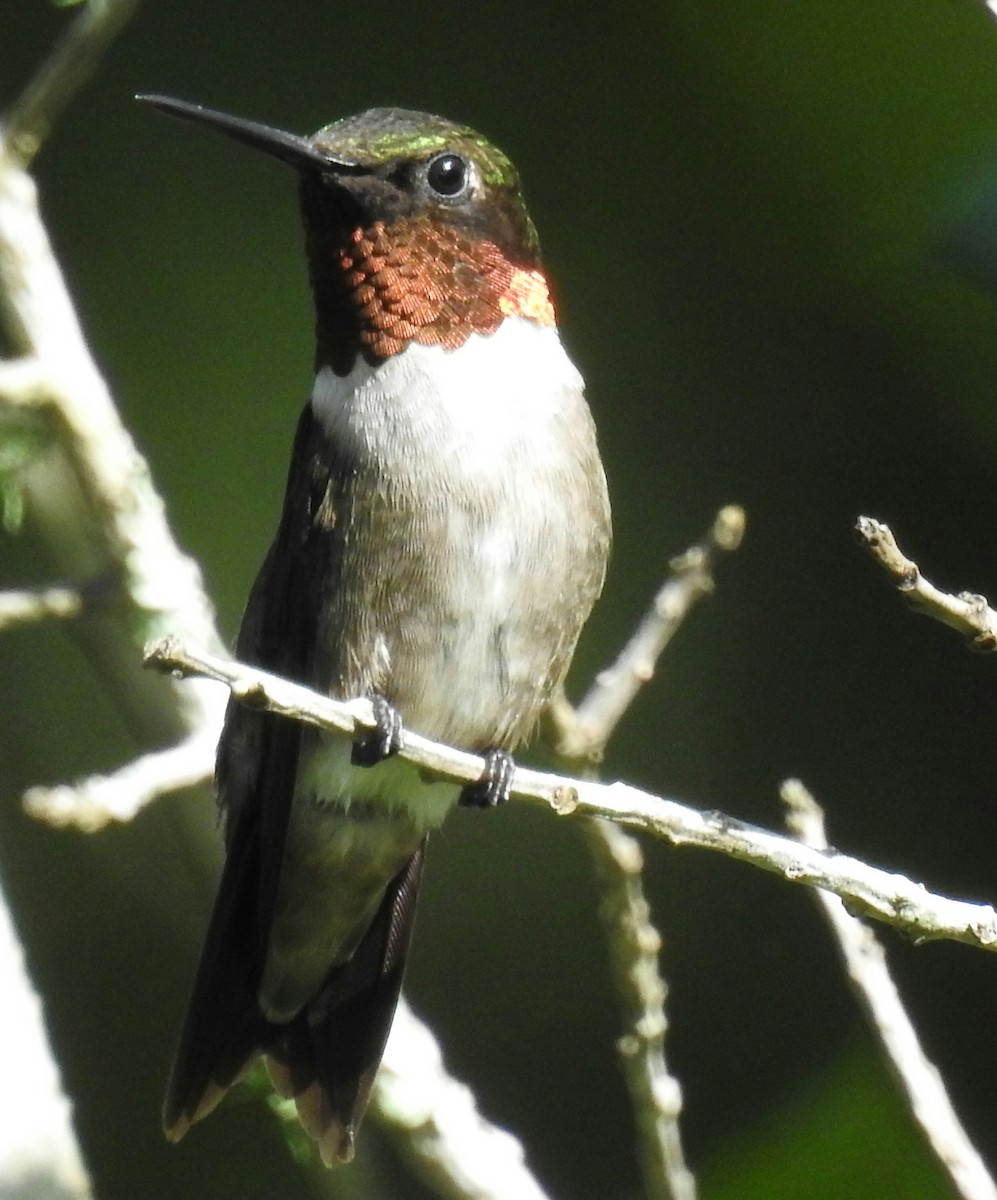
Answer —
493 787
381 742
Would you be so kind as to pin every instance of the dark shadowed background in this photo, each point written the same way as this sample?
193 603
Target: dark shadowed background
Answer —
772 230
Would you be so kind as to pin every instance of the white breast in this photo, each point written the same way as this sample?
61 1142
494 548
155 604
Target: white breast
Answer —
494 395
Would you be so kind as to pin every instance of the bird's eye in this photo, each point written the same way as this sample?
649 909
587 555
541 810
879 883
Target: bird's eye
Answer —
447 175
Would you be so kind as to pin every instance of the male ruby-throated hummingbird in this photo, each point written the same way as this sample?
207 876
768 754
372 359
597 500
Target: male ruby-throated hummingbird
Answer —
444 536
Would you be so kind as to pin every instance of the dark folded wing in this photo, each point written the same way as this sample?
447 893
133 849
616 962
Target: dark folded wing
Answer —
256 769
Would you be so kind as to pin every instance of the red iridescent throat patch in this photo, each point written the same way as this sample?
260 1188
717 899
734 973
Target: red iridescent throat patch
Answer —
427 282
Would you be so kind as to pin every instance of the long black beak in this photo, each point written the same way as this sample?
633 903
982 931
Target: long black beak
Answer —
288 147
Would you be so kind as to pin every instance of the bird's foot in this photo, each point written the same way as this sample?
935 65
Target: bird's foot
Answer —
381 742
493 787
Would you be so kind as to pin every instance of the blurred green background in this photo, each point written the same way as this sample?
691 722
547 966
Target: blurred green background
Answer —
772 230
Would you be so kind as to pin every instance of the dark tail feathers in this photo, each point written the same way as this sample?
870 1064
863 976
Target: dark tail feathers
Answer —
327 1057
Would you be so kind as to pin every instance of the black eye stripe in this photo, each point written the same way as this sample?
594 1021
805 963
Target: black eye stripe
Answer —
447 174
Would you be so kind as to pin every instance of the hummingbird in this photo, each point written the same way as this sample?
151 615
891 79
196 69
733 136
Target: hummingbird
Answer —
444 535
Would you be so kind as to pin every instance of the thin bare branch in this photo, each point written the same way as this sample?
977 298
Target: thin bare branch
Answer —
865 962
634 946
883 895
585 733
967 612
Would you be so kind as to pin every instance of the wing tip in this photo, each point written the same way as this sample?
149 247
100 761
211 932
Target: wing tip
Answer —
336 1139
178 1115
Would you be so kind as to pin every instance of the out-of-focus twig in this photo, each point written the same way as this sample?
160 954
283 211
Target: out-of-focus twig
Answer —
38 1151
88 493
70 64
92 804
865 962
436 1124
26 606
